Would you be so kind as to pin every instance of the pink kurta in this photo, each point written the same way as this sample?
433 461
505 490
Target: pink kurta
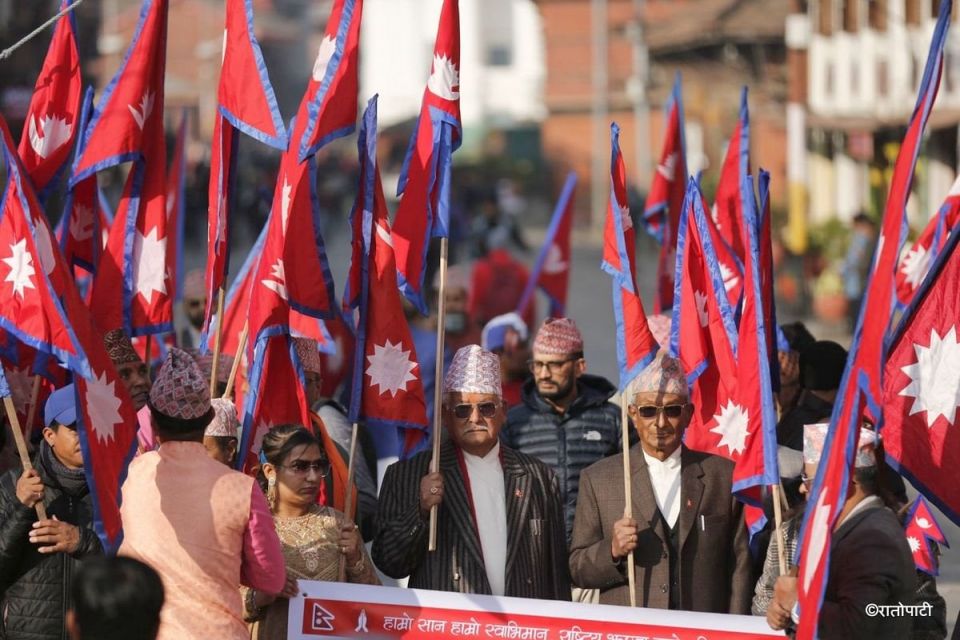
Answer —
189 517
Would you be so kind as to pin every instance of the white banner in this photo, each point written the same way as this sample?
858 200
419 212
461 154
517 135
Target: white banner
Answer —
337 610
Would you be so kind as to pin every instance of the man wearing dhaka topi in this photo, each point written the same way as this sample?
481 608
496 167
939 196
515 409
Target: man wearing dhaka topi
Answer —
500 522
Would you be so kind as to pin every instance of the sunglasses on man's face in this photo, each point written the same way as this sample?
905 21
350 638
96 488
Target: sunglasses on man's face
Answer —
650 411
464 411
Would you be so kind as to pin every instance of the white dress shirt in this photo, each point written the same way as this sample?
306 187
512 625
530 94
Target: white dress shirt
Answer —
490 506
665 478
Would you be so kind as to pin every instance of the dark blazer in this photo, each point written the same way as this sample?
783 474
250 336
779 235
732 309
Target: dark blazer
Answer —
536 548
870 562
714 570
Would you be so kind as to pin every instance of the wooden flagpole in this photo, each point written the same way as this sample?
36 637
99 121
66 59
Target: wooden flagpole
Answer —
628 493
216 344
149 361
22 447
348 500
438 382
778 532
34 398
241 345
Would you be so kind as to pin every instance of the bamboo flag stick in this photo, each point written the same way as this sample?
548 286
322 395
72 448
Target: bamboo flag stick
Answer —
438 384
34 398
348 500
241 345
147 346
21 447
218 337
778 532
628 493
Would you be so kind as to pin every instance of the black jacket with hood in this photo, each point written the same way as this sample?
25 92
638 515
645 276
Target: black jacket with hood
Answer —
35 588
570 442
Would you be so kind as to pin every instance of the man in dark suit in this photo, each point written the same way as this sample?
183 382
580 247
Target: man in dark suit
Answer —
871 565
500 526
687 535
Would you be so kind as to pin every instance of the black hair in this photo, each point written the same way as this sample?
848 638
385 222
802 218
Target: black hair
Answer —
117 598
279 442
797 335
170 428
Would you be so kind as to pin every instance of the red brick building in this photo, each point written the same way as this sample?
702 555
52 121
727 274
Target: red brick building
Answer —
717 46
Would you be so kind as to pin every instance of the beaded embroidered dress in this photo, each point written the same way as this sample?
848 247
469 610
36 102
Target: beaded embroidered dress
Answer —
311 552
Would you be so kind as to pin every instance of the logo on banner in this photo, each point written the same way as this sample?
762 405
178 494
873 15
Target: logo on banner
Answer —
320 619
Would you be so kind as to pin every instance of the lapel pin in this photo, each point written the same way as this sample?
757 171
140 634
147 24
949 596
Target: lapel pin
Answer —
518 493
689 503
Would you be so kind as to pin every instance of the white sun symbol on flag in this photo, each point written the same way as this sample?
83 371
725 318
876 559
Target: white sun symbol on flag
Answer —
444 79
149 264
915 265
390 368
730 278
328 46
732 424
935 377
701 299
668 166
914 544
279 284
21 268
285 205
103 407
554 262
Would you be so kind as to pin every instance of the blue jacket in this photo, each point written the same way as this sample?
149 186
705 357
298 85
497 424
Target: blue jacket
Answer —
568 443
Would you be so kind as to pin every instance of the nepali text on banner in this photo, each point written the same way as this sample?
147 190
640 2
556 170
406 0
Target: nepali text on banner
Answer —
336 610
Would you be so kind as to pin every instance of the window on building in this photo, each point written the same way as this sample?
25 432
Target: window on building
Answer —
854 77
882 80
499 56
911 11
877 14
848 14
824 17
934 8
828 81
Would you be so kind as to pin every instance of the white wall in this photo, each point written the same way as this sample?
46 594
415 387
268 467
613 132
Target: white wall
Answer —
396 53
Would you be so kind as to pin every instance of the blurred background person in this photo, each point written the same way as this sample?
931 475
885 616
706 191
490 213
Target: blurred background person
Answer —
508 337
115 599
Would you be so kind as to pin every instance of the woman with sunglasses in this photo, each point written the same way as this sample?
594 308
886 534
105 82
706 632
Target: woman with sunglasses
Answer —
313 537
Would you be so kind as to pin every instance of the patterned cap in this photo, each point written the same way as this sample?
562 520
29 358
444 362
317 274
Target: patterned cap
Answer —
660 328
205 362
225 423
494 334
180 390
195 285
120 348
559 337
815 436
309 354
473 370
663 375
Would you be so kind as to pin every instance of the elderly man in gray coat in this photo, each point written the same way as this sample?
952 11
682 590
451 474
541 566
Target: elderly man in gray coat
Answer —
688 537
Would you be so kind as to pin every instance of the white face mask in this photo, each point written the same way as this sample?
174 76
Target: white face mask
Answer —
455 322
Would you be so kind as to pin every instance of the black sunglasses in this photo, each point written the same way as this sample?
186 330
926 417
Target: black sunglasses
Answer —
486 409
303 467
650 411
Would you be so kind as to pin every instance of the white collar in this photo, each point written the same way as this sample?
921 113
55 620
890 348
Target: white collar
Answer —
671 462
492 457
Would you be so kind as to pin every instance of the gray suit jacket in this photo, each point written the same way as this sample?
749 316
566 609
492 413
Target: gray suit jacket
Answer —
714 569
536 545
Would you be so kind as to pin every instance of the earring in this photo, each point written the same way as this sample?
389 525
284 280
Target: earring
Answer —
272 492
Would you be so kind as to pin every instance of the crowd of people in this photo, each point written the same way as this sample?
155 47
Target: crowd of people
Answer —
530 495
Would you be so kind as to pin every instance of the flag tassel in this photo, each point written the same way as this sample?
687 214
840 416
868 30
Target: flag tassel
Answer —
216 344
627 492
348 499
241 345
22 448
438 387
